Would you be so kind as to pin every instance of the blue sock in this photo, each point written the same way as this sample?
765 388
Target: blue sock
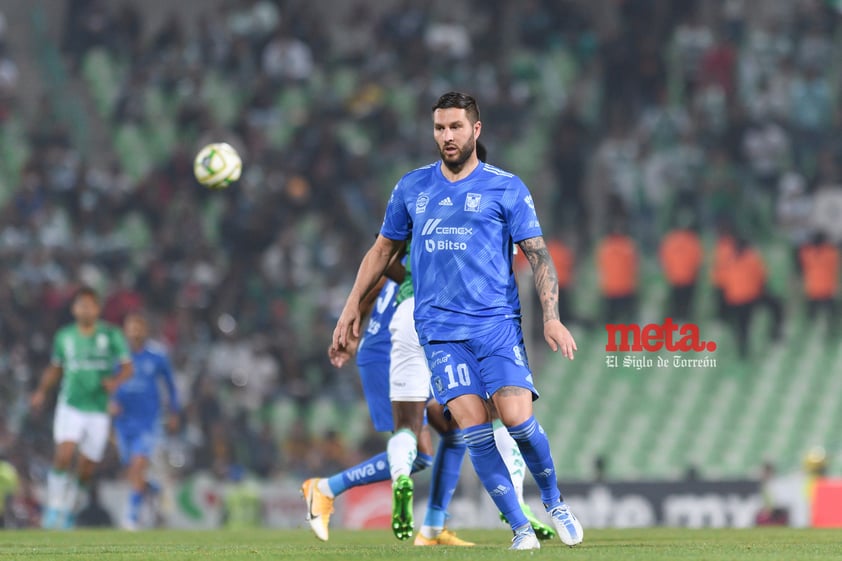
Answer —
135 500
372 470
446 470
492 472
535 448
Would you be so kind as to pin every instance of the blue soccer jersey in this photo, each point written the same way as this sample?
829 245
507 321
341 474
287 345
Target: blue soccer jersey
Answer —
463 233
376 343
138 398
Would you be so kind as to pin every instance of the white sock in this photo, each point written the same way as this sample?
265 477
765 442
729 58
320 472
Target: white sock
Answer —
511 456
72 497
430 532
324 488
401 451
57 482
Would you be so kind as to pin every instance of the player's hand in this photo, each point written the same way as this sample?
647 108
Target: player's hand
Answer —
173 422
340 357
347 328
558 338
36 401
114 409
110 385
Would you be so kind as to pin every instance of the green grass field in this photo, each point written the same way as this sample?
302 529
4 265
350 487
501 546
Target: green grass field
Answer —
613 545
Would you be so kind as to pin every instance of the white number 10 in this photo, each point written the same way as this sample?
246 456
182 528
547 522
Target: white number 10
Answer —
464 375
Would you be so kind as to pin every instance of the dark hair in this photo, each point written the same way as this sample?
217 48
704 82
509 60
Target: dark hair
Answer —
460 101
84 291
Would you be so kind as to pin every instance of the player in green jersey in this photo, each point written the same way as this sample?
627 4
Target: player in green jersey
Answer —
92 359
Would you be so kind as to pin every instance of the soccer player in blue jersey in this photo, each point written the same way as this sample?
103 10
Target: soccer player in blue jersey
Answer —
464 216
136 409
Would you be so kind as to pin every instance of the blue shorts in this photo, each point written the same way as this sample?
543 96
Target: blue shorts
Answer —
479 366
375 380
136 441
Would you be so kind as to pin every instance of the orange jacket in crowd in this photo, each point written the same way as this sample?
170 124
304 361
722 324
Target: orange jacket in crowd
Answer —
562 259
820 264
723 253
744 278
681 257
617 262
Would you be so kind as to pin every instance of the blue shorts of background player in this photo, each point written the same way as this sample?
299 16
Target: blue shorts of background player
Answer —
479 366
375 381
137 441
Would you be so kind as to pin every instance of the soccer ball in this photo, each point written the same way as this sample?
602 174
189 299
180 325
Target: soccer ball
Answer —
217 165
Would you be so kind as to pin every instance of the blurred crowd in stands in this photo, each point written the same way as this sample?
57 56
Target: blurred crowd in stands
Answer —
653 117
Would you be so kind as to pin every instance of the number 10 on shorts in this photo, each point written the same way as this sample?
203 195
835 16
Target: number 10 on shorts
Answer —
462 373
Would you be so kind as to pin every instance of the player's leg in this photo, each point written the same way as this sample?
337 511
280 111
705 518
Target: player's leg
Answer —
445 477
67 432
517 471
136 448
409 390
92 446
136 476
402 451
505 371
456 382
319 493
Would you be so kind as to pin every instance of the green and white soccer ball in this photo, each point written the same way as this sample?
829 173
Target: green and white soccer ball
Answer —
217 165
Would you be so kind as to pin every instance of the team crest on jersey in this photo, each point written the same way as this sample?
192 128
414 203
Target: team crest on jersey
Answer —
421 203
472 202
101 342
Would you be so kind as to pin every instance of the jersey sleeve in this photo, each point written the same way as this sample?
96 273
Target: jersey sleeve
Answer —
57 354
120 347
397 224
520 212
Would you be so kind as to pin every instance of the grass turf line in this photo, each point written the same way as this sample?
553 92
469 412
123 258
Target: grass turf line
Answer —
658 544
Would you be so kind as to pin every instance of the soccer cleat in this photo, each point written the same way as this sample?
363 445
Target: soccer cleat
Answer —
543 531
319 508
402 491
525 538
568 527
445 537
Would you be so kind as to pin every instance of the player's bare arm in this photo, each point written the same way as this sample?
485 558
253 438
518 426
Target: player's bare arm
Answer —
111 384
373 266
546 283
51 376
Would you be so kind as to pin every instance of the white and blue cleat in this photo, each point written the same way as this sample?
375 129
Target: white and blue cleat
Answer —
525 538
567 525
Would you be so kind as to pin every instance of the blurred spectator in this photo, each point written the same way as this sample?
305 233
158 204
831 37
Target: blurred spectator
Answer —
681 256
820 265
744 288
617 261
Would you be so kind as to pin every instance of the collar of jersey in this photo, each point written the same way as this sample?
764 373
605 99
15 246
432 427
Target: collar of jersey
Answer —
470 176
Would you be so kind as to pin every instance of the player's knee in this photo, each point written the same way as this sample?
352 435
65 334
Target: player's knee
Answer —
63 457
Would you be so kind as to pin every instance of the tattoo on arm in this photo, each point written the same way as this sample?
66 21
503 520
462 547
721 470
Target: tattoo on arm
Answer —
546 278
